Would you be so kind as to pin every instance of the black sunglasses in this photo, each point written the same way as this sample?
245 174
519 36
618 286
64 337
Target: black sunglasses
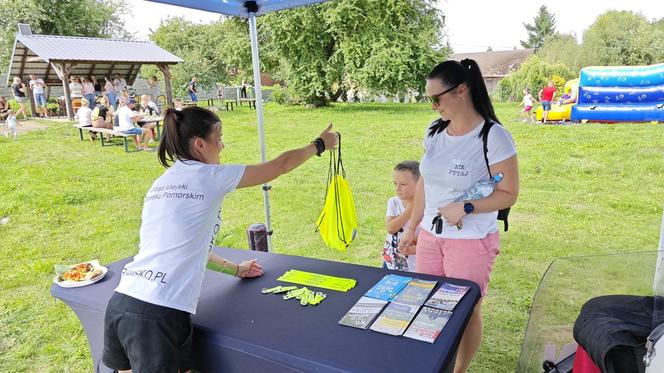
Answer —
435 98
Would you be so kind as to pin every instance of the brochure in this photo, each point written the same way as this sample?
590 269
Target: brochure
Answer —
388 287
395 319
416 292
447 296
363 313
428 324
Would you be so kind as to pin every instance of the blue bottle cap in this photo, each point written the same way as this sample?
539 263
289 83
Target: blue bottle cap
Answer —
497 177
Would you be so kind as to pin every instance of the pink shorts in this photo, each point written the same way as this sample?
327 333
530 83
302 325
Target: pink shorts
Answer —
527 109
468 259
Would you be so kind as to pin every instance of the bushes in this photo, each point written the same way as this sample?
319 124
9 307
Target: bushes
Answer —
534 74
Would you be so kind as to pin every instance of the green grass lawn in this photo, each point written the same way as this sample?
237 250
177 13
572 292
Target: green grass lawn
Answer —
585 189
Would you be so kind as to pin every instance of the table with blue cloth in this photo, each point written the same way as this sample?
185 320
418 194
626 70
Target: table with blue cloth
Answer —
239 329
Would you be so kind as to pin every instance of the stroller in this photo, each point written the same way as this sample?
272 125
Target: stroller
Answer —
577 289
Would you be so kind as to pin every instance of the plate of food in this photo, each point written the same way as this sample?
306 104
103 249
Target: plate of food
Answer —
81 274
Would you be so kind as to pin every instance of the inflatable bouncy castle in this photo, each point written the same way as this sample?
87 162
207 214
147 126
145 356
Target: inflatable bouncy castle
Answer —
620 94
560 111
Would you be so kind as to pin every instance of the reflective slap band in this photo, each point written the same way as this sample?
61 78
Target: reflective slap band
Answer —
270 290
294 293
229 271
284 289
304 297
317 298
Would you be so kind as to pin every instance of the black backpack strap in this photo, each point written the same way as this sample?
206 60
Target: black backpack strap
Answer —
502 214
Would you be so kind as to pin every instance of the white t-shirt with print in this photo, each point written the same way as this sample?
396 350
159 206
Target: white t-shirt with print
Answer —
181 218
453 164
124 119
395 208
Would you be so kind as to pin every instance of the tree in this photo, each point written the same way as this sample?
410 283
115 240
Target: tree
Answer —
623 38
533 74
544 24
373 45
215 52
562 48
95 18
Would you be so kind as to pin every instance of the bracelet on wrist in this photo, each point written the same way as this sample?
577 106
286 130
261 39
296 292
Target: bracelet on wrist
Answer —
320 146
237 269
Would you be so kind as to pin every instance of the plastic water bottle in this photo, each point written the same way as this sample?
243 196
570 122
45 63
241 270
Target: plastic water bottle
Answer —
482 188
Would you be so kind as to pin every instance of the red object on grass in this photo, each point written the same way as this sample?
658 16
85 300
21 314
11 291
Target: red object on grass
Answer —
583 363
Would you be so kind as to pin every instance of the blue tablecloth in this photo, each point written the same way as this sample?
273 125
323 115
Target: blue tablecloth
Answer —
239 329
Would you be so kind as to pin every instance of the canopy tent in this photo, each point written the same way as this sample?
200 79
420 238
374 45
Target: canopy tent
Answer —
56 58
250 10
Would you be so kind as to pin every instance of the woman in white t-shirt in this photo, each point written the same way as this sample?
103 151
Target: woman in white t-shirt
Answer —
465 242
147 322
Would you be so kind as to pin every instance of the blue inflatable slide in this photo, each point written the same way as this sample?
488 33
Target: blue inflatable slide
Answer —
620 94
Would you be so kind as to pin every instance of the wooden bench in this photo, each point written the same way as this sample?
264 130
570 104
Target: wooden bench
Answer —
105 131
250 101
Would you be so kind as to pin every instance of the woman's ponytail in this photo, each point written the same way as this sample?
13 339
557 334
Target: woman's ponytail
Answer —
180 127
478 91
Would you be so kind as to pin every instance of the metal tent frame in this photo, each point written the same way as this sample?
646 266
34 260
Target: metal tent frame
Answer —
250 10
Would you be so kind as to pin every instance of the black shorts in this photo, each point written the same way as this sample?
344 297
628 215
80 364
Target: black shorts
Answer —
145 337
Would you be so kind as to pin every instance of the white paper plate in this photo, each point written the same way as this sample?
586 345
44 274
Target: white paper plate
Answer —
76 284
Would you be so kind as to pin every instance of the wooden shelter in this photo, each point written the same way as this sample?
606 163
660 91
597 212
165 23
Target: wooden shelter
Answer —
56 58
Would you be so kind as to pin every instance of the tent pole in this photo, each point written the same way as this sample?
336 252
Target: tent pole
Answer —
259 114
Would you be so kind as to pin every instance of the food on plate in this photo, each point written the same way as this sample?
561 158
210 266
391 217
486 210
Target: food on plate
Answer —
81 272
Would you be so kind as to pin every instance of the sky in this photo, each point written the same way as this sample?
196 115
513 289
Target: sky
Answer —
471 26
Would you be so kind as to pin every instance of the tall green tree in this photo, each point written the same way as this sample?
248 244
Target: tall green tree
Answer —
623 38
543 26
384 46
95 18
562 48
215 52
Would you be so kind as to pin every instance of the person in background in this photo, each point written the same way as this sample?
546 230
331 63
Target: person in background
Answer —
243 89
192 89
527 103
399 208
220 93
460 238
19 89
4 108
102 115
149 109
147 324
11 122
88 91
120 84
546 97
126 120
177 104
38 88
97 85
109 90
84 115
153 87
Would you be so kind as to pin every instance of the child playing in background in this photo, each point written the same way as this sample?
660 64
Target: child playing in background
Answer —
405 176
11 122
177 103
527 103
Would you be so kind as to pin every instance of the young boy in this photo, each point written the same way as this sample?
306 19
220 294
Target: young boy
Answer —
11 122
399 208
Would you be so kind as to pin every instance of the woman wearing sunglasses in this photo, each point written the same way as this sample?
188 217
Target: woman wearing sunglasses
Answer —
465 241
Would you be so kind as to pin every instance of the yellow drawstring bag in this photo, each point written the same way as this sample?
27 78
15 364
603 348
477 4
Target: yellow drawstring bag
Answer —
337 223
